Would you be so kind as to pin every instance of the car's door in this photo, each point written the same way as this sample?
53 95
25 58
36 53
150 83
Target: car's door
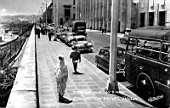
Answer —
104 62
106 59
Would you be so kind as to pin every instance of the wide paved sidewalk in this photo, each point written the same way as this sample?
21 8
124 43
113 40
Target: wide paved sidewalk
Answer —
86 90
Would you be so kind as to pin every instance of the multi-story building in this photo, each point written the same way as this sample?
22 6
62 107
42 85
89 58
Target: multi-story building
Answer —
63 11
47 15
154 13
97 13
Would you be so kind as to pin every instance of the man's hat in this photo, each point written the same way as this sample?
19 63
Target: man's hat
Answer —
60 57
74 48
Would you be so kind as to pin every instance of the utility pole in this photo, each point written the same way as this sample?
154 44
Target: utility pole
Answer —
112 82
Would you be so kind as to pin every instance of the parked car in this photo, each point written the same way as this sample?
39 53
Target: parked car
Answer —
71 40
60 35
83 46
51 26
102 59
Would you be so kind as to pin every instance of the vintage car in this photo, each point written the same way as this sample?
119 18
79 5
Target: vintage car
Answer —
83 46
71 40
79 27
102 59
60 35
148 64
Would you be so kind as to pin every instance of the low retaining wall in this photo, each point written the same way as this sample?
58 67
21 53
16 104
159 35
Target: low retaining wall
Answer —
23 93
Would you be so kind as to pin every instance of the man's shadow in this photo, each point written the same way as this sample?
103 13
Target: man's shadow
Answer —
65 100
78 73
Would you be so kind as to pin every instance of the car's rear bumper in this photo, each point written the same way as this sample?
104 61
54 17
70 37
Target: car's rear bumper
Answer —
86 49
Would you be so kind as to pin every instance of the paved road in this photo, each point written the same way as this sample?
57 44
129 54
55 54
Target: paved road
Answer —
100 40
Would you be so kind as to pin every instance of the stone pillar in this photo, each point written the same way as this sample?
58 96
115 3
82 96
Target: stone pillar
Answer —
147 13
123 15
85 12
100 14
105 15
128 15
167 17
76 9
55 12
90 14
156 21
93 17
108 14
95 21
82 9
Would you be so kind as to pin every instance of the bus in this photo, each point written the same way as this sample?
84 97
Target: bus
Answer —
147 63
79 27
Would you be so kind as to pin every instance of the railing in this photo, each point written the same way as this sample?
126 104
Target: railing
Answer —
9 51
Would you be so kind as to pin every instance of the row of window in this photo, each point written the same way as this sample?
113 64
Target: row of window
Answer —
151 20
151 49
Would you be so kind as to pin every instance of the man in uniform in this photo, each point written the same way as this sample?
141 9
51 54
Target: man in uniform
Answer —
75 56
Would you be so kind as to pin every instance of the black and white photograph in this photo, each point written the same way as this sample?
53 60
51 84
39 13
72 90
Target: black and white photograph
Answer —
84 53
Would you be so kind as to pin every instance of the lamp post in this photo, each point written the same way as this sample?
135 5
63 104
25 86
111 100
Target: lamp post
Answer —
112 85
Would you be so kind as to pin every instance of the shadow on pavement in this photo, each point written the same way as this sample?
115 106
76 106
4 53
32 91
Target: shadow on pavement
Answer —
78 73
132 99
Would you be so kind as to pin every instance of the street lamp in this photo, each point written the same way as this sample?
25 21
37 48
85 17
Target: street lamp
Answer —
112 85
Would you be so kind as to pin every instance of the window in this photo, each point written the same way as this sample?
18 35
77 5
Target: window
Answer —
142 19
151 18
74 16
162 18
145 48
106 54
165 53
101 52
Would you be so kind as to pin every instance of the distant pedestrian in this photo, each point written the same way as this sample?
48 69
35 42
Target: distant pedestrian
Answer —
61 77
50 33
37 30
103 30
75 56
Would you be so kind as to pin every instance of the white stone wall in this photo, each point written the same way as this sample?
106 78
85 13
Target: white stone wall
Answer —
167 7
59 10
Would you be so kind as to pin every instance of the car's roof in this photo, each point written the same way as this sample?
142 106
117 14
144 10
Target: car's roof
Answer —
157 33
78 21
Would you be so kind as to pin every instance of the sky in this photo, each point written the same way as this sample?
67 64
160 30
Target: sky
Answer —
13 7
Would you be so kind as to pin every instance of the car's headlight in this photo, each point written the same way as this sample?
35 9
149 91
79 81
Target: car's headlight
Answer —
90 44
168 83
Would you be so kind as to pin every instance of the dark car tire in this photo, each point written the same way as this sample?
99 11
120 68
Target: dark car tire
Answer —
145 86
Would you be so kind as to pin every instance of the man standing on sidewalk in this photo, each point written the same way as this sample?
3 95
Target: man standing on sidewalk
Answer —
62 76
50 33
75 56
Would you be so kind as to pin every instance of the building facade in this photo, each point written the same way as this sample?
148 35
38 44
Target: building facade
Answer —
63 11
154 13
97 13
48 15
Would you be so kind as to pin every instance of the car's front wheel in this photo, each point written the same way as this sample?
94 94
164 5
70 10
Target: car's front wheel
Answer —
145 86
